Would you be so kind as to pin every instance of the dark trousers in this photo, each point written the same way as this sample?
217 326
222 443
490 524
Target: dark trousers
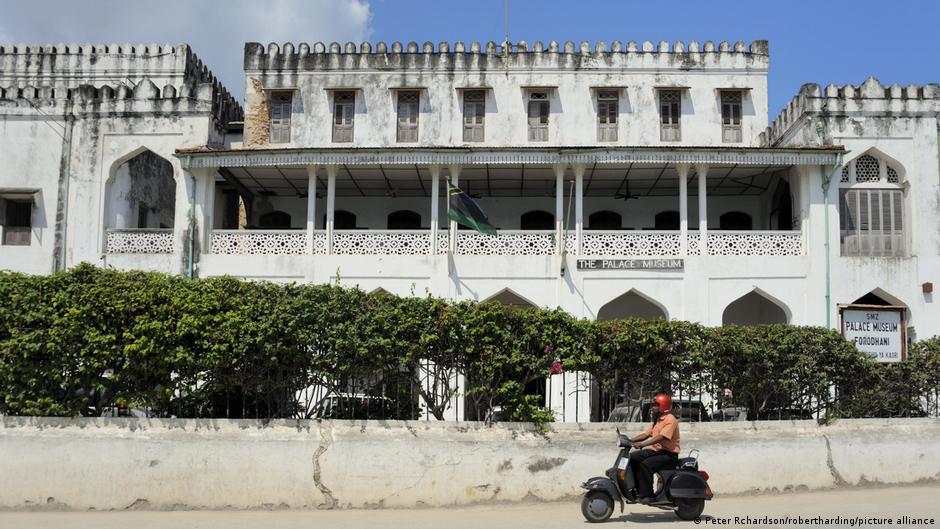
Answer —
645 463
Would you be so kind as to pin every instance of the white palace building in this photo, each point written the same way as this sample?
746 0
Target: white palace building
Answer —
625 180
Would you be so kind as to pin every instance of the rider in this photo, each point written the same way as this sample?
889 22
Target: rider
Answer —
660 446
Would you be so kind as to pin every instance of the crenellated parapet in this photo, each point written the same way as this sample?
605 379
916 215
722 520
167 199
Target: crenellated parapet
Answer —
144 97
66 69
869 98
521 55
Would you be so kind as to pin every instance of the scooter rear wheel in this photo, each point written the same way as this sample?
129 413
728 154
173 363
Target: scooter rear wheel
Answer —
597 506
689 509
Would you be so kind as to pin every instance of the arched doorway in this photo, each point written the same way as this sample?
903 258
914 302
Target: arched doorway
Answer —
781 216
632 305
141 194
754 308
342 220
605 220
403 219
274 220
666 220
735 220
537 220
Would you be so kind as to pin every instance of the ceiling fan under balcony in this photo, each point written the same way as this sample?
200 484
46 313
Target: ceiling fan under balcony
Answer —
626 195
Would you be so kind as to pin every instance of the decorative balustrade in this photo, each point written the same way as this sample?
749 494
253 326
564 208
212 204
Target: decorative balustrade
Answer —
630 243
140 240
261 242
754 242
384 242
506 242
620 243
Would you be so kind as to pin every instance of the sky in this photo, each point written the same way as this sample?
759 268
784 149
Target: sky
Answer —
820 41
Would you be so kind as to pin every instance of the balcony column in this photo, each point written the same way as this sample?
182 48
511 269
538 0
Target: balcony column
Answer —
454 171
331 171
311 205
578 205
435 171
683 170
702 171
209 210
559 169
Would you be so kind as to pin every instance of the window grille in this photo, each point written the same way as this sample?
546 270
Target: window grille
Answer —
280 114
608 108
408 116
670 108
845 174
344 115
731 117
866 169
872 222
474 112
17 222
892 175
538 116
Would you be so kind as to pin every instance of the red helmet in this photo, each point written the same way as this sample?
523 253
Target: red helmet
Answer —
664 401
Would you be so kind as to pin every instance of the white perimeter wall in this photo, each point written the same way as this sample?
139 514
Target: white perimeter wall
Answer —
161 464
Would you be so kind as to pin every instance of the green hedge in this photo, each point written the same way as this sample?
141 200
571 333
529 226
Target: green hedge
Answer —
85 340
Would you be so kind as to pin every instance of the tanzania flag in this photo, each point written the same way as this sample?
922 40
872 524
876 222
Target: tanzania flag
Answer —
466 211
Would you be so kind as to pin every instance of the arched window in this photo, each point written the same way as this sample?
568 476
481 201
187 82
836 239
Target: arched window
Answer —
342 220
275 220
605 220
537 220
871 208
754 308
404 219
735 220
667 220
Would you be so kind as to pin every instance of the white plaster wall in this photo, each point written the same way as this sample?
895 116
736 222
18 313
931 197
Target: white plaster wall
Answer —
573 101
31 158
213 464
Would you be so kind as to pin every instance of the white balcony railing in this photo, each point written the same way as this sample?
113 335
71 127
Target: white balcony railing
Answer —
384 242
506 242
139 240
261 242
620 243
630 243
753 242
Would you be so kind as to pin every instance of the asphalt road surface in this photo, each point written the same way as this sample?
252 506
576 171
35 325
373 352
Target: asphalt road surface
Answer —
875 504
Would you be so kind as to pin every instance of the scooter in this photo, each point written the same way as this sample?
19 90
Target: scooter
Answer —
683 489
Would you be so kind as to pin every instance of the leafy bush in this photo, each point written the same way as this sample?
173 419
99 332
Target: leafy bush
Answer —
82 341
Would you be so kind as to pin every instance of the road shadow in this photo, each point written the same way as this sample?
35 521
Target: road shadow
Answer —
647 517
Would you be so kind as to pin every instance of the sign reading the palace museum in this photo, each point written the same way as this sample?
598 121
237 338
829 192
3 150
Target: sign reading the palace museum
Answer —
880 333
630 264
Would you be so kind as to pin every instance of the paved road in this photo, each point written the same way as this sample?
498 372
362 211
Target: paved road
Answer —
892 503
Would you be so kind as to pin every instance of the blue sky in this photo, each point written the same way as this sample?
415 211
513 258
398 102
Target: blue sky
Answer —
822 41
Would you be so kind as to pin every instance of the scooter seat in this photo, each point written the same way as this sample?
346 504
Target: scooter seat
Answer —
687 463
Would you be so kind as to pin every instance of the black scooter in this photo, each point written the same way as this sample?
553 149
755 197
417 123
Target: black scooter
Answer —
683 489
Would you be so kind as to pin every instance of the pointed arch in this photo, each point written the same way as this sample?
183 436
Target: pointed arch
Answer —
537 219
874 152
633 304
140 191
756 307
507 296
878 296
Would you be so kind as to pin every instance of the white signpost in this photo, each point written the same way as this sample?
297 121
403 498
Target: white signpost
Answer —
876 330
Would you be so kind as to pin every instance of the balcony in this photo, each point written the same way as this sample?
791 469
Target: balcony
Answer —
140 240
506 242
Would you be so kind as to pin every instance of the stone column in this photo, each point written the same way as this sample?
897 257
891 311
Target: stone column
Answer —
210 210
683 170
331 171
702 171
311 206
435 171
454 171
579 205
559 206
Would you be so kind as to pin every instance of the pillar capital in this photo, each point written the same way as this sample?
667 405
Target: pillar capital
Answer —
578 169
701 169
683 169
559 168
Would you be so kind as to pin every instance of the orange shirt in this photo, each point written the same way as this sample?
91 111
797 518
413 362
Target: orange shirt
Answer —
667 426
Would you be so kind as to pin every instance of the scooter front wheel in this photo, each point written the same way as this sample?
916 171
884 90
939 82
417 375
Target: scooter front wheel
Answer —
597 506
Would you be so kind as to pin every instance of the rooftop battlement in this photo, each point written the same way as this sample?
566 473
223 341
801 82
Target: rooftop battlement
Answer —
870 97
518 56
85 72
